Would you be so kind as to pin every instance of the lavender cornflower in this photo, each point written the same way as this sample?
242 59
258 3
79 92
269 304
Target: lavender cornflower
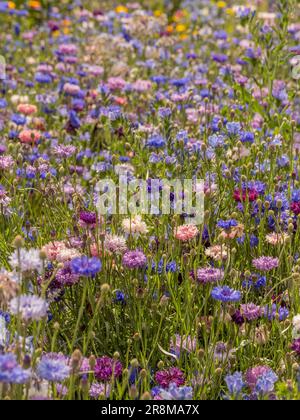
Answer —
53 369
209 275
225 294
30 308
11 372
265 263
176 393
266 382
250 311
86 267
235 383
134 259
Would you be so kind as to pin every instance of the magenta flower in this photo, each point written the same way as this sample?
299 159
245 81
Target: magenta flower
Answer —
106 368
170 376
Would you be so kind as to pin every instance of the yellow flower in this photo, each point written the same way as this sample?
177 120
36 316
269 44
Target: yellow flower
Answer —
169 29
55 34
11 5
221 4
230 12
121 9
158 13
183 37
34 4
181 28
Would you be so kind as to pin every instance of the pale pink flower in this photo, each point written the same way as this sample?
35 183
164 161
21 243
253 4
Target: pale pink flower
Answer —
186 232
217 252
27 109
29 136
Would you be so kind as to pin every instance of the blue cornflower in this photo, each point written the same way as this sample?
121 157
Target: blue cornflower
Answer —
53 370
43 78
164 112
74 121
261 282
156 141
296 196
247 137
225 294
18 119
227 224
266 382
216 141
87 267
235 383
3 103
120 297
11 372
233 128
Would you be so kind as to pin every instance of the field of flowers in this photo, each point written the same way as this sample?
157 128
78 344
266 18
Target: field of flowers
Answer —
140 306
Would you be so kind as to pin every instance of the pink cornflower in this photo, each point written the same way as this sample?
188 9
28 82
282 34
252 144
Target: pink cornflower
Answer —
265 263
116 83
142 85
71 89
67 49
186 233
27 109
29 136
170 376
277 238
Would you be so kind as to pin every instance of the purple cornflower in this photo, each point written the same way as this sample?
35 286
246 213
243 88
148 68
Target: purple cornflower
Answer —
225 294
87 267
265 263
106 368
11 372
238 318
65 277
170 376
53 369
296 346
209 275
88 218
250 311
134 259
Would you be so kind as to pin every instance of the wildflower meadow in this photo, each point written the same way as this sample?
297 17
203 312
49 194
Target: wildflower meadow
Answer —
150 200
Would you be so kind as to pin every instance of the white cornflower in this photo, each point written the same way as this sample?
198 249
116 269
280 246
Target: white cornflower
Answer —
29 260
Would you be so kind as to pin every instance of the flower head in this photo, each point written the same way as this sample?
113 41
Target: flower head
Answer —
106 368
86 267
53 369
30 308
225 294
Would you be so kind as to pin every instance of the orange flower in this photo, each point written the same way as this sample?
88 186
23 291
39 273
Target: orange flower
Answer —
34 4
